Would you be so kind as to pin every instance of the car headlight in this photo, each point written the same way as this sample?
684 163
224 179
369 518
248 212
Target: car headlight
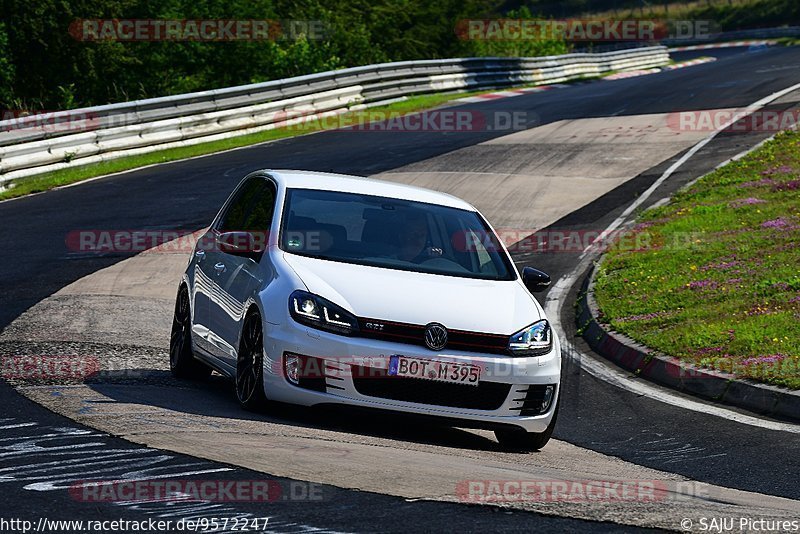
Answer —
317 312
533 340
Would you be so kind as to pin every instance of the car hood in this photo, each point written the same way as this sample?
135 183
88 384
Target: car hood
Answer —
489 306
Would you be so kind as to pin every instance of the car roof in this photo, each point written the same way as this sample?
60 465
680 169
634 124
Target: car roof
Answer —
366 186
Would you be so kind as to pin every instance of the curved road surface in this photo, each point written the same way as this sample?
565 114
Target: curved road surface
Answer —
587 151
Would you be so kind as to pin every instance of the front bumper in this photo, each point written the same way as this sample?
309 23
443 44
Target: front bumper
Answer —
353 376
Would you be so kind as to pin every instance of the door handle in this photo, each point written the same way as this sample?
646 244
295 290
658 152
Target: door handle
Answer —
219 267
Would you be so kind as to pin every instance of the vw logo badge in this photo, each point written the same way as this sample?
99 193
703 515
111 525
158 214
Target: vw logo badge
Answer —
435 336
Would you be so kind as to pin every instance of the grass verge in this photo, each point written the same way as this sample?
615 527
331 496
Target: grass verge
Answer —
713 277
723 15
50 180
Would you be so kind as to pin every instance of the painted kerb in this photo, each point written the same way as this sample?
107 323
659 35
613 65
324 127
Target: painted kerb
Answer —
671 372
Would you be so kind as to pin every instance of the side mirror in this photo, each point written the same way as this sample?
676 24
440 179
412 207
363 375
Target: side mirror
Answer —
243 244
535 280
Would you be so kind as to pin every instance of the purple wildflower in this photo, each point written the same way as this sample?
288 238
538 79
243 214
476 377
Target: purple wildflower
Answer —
780 222
783 169
787 246
760 183
769 358
746 202
702 284
759 310
721 266
791 185
709 350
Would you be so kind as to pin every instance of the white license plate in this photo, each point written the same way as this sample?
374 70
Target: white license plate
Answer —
458 373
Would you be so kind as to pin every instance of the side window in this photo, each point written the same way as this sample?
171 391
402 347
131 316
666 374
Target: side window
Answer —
251 209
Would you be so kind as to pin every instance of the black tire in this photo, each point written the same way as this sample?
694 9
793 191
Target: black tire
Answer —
518 440
250 365
182 362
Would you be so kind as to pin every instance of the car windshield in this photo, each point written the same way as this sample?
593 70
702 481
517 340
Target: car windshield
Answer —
391 233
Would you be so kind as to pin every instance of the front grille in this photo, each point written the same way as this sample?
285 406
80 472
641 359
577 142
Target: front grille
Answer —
414 334
376 383
533 401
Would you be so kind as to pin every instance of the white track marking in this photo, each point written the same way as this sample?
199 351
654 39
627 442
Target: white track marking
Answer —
683 159
640 387
731 44
555 298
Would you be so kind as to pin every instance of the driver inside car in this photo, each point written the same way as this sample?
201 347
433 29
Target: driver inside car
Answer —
412 235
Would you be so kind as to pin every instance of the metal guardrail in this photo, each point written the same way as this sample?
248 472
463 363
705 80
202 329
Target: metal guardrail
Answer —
41 143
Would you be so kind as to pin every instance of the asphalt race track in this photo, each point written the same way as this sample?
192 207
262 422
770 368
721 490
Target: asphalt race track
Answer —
601 427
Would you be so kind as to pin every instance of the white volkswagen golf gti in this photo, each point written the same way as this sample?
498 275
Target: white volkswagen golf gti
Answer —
313 288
